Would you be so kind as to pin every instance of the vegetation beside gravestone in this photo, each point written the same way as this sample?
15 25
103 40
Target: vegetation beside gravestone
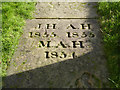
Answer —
13 20
14 15
110 25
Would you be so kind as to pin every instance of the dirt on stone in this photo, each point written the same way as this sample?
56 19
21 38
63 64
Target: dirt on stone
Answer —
60 48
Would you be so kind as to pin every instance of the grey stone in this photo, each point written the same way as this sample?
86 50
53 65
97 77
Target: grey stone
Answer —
68 65
65 10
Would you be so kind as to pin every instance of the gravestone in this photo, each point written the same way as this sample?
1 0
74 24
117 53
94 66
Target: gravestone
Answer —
60 47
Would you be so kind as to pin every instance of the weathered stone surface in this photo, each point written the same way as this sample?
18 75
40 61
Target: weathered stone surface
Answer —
65 10
59 52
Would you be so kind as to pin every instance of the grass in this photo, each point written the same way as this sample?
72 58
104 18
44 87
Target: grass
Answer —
110 25
0 44
14 15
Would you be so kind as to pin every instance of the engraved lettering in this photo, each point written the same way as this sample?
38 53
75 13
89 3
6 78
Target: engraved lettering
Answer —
68 34
84 27
45 34
31 34
75 34
39 25
73 27
63 55
52 26
80 43
92 35
73 55
47 54
53 34
37 34
61 43
42 44
54 54
84 35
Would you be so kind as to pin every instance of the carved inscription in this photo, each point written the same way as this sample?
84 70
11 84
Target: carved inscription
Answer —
71 31
74 44
58 54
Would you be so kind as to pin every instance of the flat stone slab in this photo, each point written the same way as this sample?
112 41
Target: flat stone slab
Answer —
65 10
59 50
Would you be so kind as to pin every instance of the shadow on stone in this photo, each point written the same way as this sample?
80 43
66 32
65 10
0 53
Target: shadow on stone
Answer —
81 72
86 71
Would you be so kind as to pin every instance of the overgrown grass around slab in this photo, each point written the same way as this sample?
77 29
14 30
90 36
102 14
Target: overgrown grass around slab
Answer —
110 25
14 15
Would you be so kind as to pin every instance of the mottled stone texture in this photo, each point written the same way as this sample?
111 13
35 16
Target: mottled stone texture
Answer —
62 9
61 48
